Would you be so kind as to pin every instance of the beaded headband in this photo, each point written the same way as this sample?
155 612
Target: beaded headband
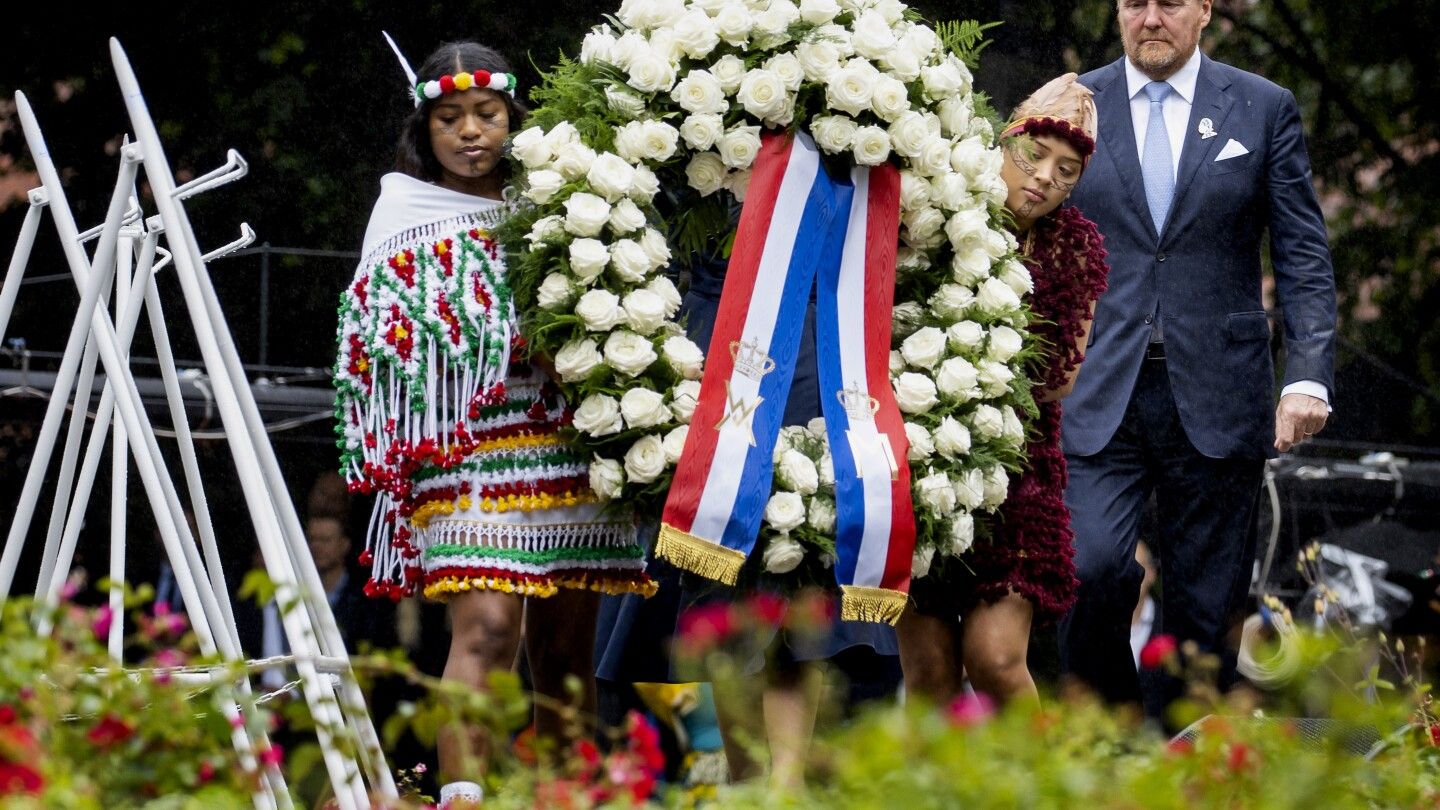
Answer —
435 88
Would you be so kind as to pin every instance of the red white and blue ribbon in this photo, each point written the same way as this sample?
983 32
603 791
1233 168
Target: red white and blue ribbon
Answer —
798 222
875 518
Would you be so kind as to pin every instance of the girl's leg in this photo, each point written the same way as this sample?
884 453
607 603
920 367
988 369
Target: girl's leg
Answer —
929 656
559 643
790 704
484 636
996 640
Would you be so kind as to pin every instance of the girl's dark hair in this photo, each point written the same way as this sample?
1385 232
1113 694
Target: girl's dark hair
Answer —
413 154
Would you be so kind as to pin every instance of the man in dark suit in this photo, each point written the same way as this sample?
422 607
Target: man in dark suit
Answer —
1196 161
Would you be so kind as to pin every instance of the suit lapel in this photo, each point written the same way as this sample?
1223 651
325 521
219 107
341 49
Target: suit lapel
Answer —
1211 101
1112 102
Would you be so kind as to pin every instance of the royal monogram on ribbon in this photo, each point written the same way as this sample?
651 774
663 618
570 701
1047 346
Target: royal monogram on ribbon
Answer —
801 229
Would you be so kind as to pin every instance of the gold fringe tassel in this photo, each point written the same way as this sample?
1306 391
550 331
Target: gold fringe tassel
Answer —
859 603
698 555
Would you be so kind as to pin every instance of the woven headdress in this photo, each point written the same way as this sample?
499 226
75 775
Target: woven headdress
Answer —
1063 108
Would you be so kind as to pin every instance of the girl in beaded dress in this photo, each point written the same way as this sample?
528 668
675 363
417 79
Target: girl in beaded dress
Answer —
971 615
480 503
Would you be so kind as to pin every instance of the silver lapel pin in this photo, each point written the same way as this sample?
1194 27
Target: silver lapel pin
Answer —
1206 129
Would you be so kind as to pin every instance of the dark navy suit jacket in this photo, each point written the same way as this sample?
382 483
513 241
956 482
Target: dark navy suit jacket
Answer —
1205 269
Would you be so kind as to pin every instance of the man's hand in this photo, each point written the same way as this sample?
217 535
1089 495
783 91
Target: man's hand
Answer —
1298 417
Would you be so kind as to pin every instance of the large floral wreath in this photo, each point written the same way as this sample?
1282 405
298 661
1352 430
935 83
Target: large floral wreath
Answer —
633 157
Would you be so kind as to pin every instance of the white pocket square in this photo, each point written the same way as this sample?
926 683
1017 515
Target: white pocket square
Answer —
1233 148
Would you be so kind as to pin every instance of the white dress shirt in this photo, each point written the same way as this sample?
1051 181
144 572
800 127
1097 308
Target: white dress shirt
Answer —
1176 109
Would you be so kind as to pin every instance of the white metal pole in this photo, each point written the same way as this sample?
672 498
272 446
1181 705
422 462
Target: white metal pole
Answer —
23 245
349 788
120 465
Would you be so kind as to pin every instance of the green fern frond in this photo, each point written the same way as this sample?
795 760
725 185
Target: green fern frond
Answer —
965 38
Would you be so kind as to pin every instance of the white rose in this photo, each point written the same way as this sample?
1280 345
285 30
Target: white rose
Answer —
585 214
995 377
1005 343
910 260
970 489
922 227
700 92
787 69
965 228
970 266
921 446
644 311
897 362
833 133
797 472
935 493
734 24
705 173
818 59
530 148
775 19
962 533
630 141
914 393
785 511
645 460
545 229
626 216
628 353
818 12
702 130
674 444
783 555
914 189
611 175
683 398
920 561
951 300
952 439
924 348
902 62
647 185
665 288
651 72
957 378
738 183
643 408
636 13
955 113
941 81
965 335
1017 277
822 515
827 470
836 34
684 356
588 258
629 261
659 140
729 70
554 293
574 160
872 36
849 89
987 422
624 101
969 157
696 35
921 41
934 157
576 360
600 310
598 415
871 146
906 317
626 47
952 189
995 245
1014 431
597 45
560 136
739 146
542 185
817 427
995 297
909 133
997 486
892 10
607 479
656 248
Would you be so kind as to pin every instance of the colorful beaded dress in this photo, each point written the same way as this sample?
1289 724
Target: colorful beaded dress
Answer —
476 487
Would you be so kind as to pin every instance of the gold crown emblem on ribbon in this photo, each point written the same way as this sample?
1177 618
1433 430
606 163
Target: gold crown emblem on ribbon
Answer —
750 359
858 404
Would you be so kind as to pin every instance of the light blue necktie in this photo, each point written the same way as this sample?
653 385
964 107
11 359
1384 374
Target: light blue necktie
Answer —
1156 166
